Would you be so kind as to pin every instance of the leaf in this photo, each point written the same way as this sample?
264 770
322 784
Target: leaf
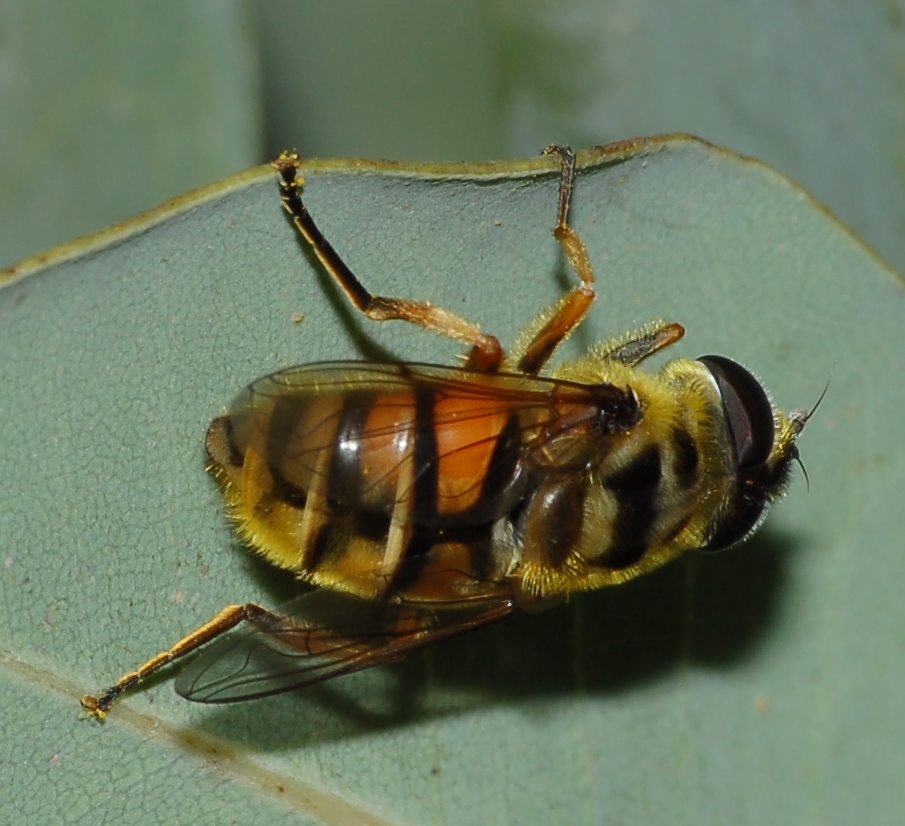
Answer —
758 684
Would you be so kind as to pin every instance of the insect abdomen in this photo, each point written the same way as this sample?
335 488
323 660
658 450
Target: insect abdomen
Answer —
342 485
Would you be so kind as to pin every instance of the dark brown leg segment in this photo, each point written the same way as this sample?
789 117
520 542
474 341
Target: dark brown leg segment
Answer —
643 344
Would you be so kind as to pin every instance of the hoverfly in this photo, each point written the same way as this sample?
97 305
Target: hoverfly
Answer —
422 501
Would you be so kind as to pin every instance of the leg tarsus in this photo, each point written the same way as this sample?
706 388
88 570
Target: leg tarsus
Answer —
97 706
567 159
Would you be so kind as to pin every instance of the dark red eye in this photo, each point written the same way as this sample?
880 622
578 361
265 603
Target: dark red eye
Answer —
749 418
748 411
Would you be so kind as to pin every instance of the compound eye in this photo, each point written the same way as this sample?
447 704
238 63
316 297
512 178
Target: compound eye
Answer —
748 411
746 516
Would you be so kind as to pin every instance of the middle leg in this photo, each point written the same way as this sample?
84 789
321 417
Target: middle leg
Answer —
486 354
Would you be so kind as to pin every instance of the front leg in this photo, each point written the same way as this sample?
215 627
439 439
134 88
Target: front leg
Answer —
559 322
640 344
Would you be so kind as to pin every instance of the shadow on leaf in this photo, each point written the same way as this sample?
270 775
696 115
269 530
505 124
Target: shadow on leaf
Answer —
709 611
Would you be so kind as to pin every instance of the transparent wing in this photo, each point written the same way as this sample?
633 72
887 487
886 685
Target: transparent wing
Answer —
322 635
390 377
366 416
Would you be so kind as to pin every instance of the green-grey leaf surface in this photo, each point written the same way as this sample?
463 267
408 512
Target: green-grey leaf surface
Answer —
757 686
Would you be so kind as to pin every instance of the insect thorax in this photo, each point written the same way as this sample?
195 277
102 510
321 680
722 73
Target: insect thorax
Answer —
652 493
